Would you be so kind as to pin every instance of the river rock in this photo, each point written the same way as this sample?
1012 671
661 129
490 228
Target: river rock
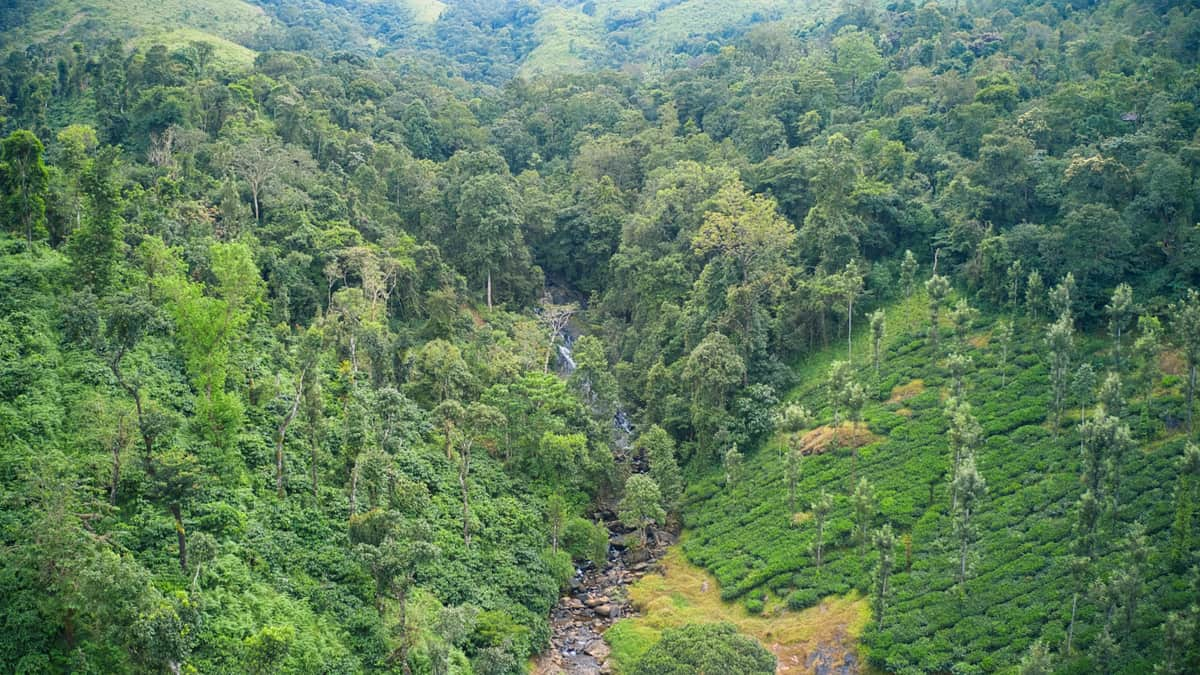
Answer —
604 610
595 601
598 649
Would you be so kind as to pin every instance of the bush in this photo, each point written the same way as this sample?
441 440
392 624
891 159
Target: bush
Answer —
585 540
803 598
706 648
754 605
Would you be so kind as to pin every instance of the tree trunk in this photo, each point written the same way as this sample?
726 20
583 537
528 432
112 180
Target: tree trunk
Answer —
1191 395
281 434
313 465
882 599
489 289
118 443
1071 627
463 471
850 332
181 534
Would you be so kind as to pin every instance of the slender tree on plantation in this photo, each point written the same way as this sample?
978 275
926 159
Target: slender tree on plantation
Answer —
1060 345
732 463
1146 369
1187 501
820 511
835 386
885 545
1014 285
1062 298
1035 295
1185 321
854 398
864 511
878 328
1120 311
852 287
937 288
908 273
793 419
962 318
958 365
1084 384
964 435
969 487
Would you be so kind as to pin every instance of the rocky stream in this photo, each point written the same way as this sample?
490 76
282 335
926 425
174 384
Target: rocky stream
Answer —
596 599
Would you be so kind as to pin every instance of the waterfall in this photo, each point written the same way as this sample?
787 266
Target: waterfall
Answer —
565 360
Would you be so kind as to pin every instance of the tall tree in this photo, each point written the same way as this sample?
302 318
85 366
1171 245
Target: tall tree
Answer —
1035 295
1120 311
659 450
1060 345
878 330
820 512
1146 369
865 507
885 545
970 488
1185 320
24 183
641 507
908 273
937 288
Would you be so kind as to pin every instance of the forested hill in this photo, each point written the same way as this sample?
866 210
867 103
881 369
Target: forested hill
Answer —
315 318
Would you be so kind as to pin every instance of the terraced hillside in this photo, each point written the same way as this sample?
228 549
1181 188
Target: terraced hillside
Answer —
1019 587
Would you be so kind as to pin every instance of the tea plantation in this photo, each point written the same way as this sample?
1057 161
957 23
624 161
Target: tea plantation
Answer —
1019 587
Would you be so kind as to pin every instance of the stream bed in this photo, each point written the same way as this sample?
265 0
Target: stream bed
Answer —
596 599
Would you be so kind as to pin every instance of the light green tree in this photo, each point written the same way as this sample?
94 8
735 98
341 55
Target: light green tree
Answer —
641 507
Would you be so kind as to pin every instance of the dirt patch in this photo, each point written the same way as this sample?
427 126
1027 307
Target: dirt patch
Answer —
903 392
809 641
847 435
1171 362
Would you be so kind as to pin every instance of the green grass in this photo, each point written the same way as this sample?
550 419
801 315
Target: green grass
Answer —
683 593
223 22
1020 589
567 41
425 11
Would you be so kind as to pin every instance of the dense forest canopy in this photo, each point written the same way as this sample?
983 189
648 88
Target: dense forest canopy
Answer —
321 323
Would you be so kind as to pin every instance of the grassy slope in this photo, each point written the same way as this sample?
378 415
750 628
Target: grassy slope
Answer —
684 593
222 22
425 11
1020 588
570 40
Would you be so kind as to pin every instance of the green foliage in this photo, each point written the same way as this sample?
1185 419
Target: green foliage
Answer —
700 648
